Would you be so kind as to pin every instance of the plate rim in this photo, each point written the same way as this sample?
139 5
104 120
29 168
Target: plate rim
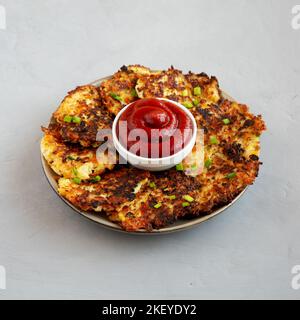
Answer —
100 218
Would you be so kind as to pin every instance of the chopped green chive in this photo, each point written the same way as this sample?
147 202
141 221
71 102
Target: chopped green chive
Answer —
115 96
179 167
75 171
194 167
172 197
231 175
196 102
185 204
185 93
188 198
68 119
76 119
226 121
133 93
96 179
197 91
158 205
208 163
152 184
213 140
188 104
71 158
77 180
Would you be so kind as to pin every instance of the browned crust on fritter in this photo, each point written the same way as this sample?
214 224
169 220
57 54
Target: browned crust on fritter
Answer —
209 86
72 160
85 103
210 117
114 194
170 84
122 84
174 85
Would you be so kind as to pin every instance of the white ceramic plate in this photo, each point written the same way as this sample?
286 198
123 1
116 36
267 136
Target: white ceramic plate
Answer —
102 219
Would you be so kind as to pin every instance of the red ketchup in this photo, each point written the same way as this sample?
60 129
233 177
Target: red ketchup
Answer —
166 128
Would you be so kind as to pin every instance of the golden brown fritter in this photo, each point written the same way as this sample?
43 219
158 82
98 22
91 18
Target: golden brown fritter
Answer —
231 152
170 84
80 116
208 178
136 199
119 90
231 124
209 87
120 194
71 161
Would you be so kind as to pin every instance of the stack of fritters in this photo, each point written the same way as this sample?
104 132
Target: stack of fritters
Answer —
138 199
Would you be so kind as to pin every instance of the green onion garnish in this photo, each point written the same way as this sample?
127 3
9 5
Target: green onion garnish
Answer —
77 180
158 205
71 158
231 175
197 91
185 93
115 96
75 171
188 104
213 140
185 204
76 119
172 197
226 121
68 119
188 198
194 167
152 184
196 102
208 163
179 167
133 93
96 179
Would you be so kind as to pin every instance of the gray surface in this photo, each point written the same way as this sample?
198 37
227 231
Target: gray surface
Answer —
51 46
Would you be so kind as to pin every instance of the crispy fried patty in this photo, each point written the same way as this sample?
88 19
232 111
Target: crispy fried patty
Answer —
174 85
207 178
71 161
130 196
170 84
119 90
80 116
209 86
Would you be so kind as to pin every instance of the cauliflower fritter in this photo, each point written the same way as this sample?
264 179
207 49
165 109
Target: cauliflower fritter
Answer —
204 87
127 196
80 116
170 84
71 161
119 90
186 89
120 194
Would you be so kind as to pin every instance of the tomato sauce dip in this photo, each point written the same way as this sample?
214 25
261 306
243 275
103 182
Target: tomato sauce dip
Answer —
165 128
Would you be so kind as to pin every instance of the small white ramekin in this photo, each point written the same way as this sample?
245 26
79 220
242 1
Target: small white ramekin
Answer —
155 164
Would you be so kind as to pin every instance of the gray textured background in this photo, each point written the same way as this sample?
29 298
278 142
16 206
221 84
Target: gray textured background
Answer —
51 46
